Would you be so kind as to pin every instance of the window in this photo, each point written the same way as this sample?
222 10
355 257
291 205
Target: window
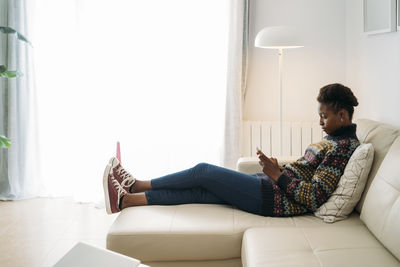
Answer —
150 74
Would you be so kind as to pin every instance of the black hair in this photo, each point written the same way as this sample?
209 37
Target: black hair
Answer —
337 96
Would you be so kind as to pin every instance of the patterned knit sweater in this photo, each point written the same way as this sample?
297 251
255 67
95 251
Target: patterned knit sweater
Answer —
308 182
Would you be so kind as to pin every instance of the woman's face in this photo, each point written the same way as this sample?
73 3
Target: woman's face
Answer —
328 120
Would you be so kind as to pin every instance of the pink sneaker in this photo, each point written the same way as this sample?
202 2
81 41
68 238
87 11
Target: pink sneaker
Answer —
124 178
113 191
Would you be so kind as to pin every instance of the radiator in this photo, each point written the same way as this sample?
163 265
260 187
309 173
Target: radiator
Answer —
296 137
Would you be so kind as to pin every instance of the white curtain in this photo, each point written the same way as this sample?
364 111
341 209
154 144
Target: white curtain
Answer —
236 82
150 74
19 174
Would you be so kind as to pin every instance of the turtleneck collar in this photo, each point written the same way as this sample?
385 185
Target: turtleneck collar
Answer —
348 131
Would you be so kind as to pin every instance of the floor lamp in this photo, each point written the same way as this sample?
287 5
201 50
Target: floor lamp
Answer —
278 37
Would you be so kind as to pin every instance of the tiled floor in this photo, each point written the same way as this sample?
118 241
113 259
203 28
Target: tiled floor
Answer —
38 232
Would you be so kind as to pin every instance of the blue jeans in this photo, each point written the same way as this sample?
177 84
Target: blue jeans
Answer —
208 184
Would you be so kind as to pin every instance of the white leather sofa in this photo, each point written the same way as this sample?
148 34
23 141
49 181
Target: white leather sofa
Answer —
218 235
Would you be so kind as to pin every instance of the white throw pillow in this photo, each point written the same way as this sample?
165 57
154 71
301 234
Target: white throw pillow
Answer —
350 187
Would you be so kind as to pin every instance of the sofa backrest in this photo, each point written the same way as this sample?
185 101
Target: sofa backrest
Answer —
381 136
381 209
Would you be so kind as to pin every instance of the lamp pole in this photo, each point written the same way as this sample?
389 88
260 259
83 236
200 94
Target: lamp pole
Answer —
278 37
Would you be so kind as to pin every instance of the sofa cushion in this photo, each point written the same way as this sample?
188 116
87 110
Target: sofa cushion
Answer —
350 187
381 136
381 210
314 246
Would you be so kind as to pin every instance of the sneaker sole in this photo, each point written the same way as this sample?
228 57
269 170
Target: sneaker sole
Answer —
105 187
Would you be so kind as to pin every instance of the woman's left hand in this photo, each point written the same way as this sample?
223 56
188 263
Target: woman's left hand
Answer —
270 167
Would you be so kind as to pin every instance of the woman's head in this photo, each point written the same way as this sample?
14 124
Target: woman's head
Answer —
336 107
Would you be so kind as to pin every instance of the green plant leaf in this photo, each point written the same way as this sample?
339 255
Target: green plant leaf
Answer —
2 68
23 38
9 30
10 74
4 141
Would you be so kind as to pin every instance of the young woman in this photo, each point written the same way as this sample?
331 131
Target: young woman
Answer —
294 189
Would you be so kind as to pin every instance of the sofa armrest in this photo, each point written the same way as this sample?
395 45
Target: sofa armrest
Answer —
250 164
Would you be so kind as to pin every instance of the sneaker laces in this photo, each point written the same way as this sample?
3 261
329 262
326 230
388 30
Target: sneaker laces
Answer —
120 190
127 179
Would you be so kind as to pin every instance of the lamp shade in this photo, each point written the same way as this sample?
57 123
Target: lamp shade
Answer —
278 37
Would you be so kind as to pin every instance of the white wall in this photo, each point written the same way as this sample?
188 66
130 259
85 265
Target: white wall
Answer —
372 68
321 61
